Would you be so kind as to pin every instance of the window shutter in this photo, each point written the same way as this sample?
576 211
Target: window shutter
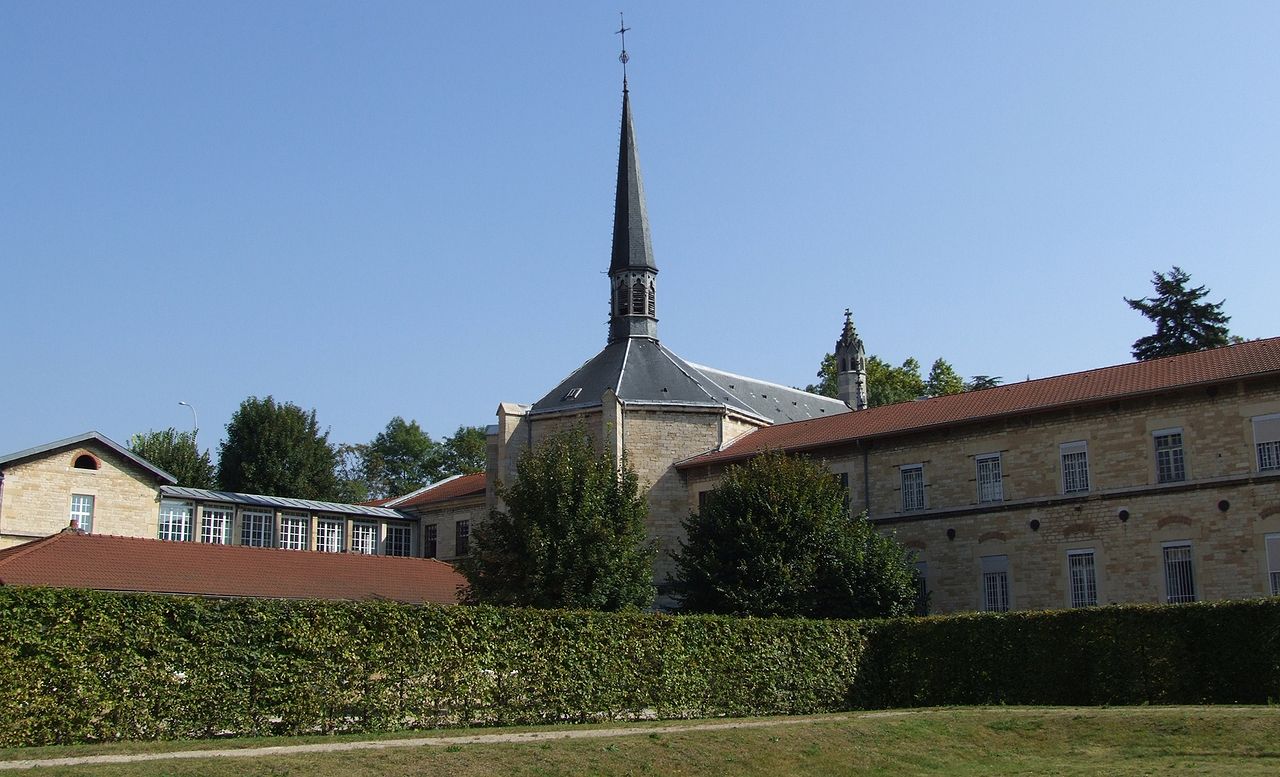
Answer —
1266 429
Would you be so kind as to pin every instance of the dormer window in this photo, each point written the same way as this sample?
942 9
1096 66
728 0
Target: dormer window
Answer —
85 461
571 395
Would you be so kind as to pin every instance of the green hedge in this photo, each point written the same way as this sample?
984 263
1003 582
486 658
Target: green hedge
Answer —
83 665
1204 653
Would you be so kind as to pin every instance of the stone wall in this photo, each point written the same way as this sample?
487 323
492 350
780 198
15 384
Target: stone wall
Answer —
35 499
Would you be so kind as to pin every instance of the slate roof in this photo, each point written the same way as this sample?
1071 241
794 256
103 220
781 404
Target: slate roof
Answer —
642 371
450 488
632 243
106 563
279 502
1230 363
80 440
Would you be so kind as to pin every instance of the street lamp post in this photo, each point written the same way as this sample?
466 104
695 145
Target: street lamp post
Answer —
195 419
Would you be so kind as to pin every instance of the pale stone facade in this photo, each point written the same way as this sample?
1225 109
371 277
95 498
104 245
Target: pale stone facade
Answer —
1124 530
36 494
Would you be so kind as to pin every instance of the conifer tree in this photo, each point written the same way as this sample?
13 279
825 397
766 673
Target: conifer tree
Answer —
1183 323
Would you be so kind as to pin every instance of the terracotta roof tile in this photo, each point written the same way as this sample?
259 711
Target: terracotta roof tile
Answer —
450 488
1258 357
72 560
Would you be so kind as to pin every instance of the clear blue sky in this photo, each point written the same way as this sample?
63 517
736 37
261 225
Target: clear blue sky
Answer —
380 209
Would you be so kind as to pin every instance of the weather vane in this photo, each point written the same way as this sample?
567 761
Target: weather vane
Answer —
623 58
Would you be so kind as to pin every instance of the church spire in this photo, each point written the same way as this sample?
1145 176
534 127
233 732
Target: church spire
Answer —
632 273
851 366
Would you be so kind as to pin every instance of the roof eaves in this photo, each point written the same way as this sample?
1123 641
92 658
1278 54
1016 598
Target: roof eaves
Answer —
402 499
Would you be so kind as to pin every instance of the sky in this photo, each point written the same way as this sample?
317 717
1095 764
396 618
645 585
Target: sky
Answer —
404 208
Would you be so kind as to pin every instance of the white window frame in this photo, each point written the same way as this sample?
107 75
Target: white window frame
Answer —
330 533
992 489
175 520
1082 577
1266 442
911 478
364 538
82 511
1179 566
997 589
295 531
215 524
258 528
399 537
1075 480
1272 542
1171 462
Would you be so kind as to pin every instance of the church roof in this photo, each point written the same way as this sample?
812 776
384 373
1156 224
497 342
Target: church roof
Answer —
1253 359
632 244
642 371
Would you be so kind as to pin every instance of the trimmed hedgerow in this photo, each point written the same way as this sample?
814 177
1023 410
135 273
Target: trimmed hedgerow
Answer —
79 666
1204 653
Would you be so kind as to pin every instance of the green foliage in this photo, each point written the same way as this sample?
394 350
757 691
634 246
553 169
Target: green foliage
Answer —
980 382
353 488
176 453
888 385
79 666
1204 653
1183 323
826 385
775 538
943 379
572 535
277 449
465 452
402 458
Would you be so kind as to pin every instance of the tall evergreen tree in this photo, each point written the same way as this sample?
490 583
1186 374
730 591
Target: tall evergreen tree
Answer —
176 453
1183 323
572 534
277 449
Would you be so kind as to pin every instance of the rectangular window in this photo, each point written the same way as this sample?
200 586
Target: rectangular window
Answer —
912 487
429 540
1169 462
1179 578
293 531
364 538
995 583
462 538
399 541
329 533
215 525
82 511
922 588
175 520
1075 467
1084 579
1266 436
1273 562
990 481
258 529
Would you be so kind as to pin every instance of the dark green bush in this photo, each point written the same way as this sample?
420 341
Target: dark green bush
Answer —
84 665
1205 653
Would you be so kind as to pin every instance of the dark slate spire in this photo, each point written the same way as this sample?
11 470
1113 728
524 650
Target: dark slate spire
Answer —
632 273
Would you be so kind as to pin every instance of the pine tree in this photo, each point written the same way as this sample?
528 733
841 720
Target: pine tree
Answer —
1183 323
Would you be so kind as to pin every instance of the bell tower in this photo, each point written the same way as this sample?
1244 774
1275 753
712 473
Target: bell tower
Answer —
851 366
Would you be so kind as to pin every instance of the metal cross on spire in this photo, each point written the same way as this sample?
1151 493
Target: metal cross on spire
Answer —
623 58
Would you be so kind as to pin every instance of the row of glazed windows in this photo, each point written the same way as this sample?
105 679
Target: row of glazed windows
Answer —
258 528
1177 566
1167 449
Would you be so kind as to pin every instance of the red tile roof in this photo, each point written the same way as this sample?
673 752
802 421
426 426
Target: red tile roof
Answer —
1255 358
450 488
73 560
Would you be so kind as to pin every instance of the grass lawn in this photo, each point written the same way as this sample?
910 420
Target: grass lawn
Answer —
955 741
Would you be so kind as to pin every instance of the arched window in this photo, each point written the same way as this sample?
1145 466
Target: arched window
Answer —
85 461
653 301
620 294
637 297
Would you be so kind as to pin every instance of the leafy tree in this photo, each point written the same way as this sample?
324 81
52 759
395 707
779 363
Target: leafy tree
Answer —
353 488
826 385
176 453
943 379
465 452
775 538
887 385
572 534
400 459
1183 323
979 382
277 449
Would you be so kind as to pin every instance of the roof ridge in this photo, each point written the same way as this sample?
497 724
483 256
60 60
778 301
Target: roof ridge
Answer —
393 502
